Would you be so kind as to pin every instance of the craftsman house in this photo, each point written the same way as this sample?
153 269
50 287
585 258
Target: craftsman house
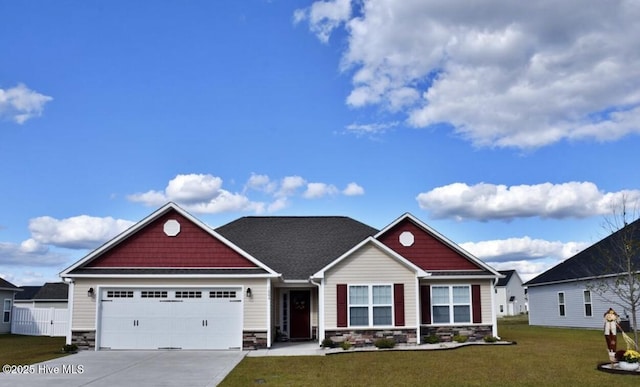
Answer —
170 281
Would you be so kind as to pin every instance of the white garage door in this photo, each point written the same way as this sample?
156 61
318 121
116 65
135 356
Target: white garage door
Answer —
207 318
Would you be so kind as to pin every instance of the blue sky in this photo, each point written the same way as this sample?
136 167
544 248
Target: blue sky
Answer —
511 129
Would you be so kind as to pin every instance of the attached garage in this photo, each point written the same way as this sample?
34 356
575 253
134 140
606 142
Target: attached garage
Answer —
176 318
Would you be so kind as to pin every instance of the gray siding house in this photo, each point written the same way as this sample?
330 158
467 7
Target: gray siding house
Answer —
7 295
565 295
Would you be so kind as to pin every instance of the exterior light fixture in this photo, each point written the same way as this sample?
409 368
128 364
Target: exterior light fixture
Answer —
90 292
249 294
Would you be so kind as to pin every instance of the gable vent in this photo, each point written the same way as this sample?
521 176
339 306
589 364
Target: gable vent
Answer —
171 227
407 239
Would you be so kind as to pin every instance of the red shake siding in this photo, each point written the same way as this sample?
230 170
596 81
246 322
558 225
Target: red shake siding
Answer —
151 247
427 252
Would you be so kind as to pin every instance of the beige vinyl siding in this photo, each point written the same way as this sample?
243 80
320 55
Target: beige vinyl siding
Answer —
370 265
255 308
485 294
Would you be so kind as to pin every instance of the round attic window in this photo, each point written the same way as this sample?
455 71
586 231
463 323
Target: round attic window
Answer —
406 239
172 227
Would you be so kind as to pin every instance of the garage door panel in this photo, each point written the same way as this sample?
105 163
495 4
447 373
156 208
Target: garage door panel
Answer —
178 319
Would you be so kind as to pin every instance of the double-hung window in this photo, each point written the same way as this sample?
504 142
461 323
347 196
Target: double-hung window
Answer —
561 304
370 305
451 304
6 309
588 311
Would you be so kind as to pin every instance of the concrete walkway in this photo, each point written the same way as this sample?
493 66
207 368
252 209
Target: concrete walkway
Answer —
130 368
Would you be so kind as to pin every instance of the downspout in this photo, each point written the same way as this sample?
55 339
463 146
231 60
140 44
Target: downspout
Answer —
494 315
269 311
418 317
70 292
320 309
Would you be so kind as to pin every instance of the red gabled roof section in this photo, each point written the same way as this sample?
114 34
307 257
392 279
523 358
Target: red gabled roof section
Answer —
427 252
151 247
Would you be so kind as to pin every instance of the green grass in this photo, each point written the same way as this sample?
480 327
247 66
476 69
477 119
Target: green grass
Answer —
21 350
541 357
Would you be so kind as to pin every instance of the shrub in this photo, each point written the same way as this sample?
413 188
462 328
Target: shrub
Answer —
490 339
345 345
69 348
432 339
328 343
385 343
460 339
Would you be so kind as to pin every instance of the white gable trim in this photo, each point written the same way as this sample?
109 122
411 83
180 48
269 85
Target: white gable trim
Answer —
144 222
371 240
442 239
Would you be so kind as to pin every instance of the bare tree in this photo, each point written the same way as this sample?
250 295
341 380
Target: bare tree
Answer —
619 282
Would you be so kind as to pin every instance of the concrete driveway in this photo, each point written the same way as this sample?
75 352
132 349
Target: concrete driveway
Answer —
129 368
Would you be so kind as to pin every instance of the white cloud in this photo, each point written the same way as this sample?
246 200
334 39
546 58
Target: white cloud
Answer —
489 201
353 189
20 103
519 74
375 128
318 190
261 183
516 249
324 16
12 254
78 232
529 257
290 185
200 193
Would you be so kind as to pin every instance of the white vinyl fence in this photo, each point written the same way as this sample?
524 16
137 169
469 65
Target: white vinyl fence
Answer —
39 321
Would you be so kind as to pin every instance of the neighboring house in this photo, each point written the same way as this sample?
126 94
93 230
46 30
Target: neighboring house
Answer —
7 295
510 296
170 281
564 295
49 295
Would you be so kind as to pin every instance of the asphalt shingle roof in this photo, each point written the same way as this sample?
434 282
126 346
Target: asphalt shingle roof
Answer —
593 261
27 292
48 291
504 281
296 246
4 284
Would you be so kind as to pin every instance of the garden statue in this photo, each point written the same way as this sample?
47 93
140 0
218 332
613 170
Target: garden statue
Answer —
611 319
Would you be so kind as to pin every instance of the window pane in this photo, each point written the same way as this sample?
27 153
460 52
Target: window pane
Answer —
382 315
461 314
7 305
561 310
460 294
587 310
359 295
381 295
7 317
359 316
561 298
440 294
587 296
440 314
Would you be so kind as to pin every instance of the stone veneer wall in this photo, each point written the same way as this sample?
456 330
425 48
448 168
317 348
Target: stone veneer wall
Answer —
367 337
446 333
84 339
254 340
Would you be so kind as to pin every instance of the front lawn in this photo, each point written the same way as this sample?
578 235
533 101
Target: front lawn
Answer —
542 357
21 350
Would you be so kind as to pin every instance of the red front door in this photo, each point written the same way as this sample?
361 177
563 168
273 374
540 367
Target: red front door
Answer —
300 312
